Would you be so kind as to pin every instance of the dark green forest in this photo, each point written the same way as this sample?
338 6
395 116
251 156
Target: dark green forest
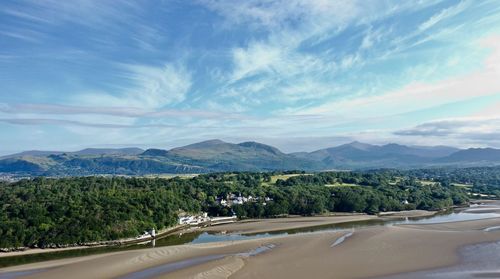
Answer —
45 212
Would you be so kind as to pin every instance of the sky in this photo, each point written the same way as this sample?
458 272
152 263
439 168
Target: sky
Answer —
296 74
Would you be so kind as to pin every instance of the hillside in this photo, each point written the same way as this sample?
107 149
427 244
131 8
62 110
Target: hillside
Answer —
217 156
362 155
474 155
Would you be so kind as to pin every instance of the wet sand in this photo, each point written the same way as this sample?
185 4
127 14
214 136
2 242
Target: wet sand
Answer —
254 226
408 213
367 252
46 250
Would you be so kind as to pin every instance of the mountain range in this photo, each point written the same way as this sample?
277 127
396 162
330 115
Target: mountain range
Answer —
217 155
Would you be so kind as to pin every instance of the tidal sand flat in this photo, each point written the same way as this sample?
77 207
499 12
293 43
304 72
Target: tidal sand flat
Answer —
476 261
375 251
279 224
395 249
140 262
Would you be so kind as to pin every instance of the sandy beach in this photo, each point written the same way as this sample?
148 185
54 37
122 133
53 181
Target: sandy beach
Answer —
379 250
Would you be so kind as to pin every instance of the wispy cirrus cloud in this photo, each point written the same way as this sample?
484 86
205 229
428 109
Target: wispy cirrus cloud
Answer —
444 14
282 14
100 23
88 13
73 123
133 112
151 87
292 62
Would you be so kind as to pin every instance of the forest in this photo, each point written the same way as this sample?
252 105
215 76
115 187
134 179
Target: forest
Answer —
44 212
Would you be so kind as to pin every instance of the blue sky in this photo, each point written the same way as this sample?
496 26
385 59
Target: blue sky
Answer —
297 74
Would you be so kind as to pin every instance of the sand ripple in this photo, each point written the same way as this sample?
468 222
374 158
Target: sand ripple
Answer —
222 271
157 254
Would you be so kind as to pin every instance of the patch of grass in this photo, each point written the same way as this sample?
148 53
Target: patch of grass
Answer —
462 185
274 178
170 176
395 181
342 185
427 182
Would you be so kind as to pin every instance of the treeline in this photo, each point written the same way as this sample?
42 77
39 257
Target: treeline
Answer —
482 180
43 212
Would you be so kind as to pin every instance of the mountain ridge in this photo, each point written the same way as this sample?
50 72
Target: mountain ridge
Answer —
216 155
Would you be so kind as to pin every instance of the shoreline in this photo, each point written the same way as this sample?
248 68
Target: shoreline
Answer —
246 226
381 250
110 243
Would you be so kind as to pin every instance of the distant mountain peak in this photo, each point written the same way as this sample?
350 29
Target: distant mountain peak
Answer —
261 146
212 141
203 144
359 145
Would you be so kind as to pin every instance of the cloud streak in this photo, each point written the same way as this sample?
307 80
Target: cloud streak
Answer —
61 122
485 131
151 88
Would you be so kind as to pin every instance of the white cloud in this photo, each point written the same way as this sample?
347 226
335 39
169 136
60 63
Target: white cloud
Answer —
373 37
152 88
255 59
444 14
279 56
274 14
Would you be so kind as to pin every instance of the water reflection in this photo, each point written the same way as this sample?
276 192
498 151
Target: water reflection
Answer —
452 217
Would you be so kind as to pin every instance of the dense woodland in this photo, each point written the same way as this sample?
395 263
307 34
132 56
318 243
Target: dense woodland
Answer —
47 211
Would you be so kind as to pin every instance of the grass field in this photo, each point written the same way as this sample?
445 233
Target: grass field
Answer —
170 176
342 185
462 185
427 182
274 178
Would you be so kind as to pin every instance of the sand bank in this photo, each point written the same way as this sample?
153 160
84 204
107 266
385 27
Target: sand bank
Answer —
253 226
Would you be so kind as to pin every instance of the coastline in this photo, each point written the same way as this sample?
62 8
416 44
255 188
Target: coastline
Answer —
110 243
257 226
381 250
246 226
